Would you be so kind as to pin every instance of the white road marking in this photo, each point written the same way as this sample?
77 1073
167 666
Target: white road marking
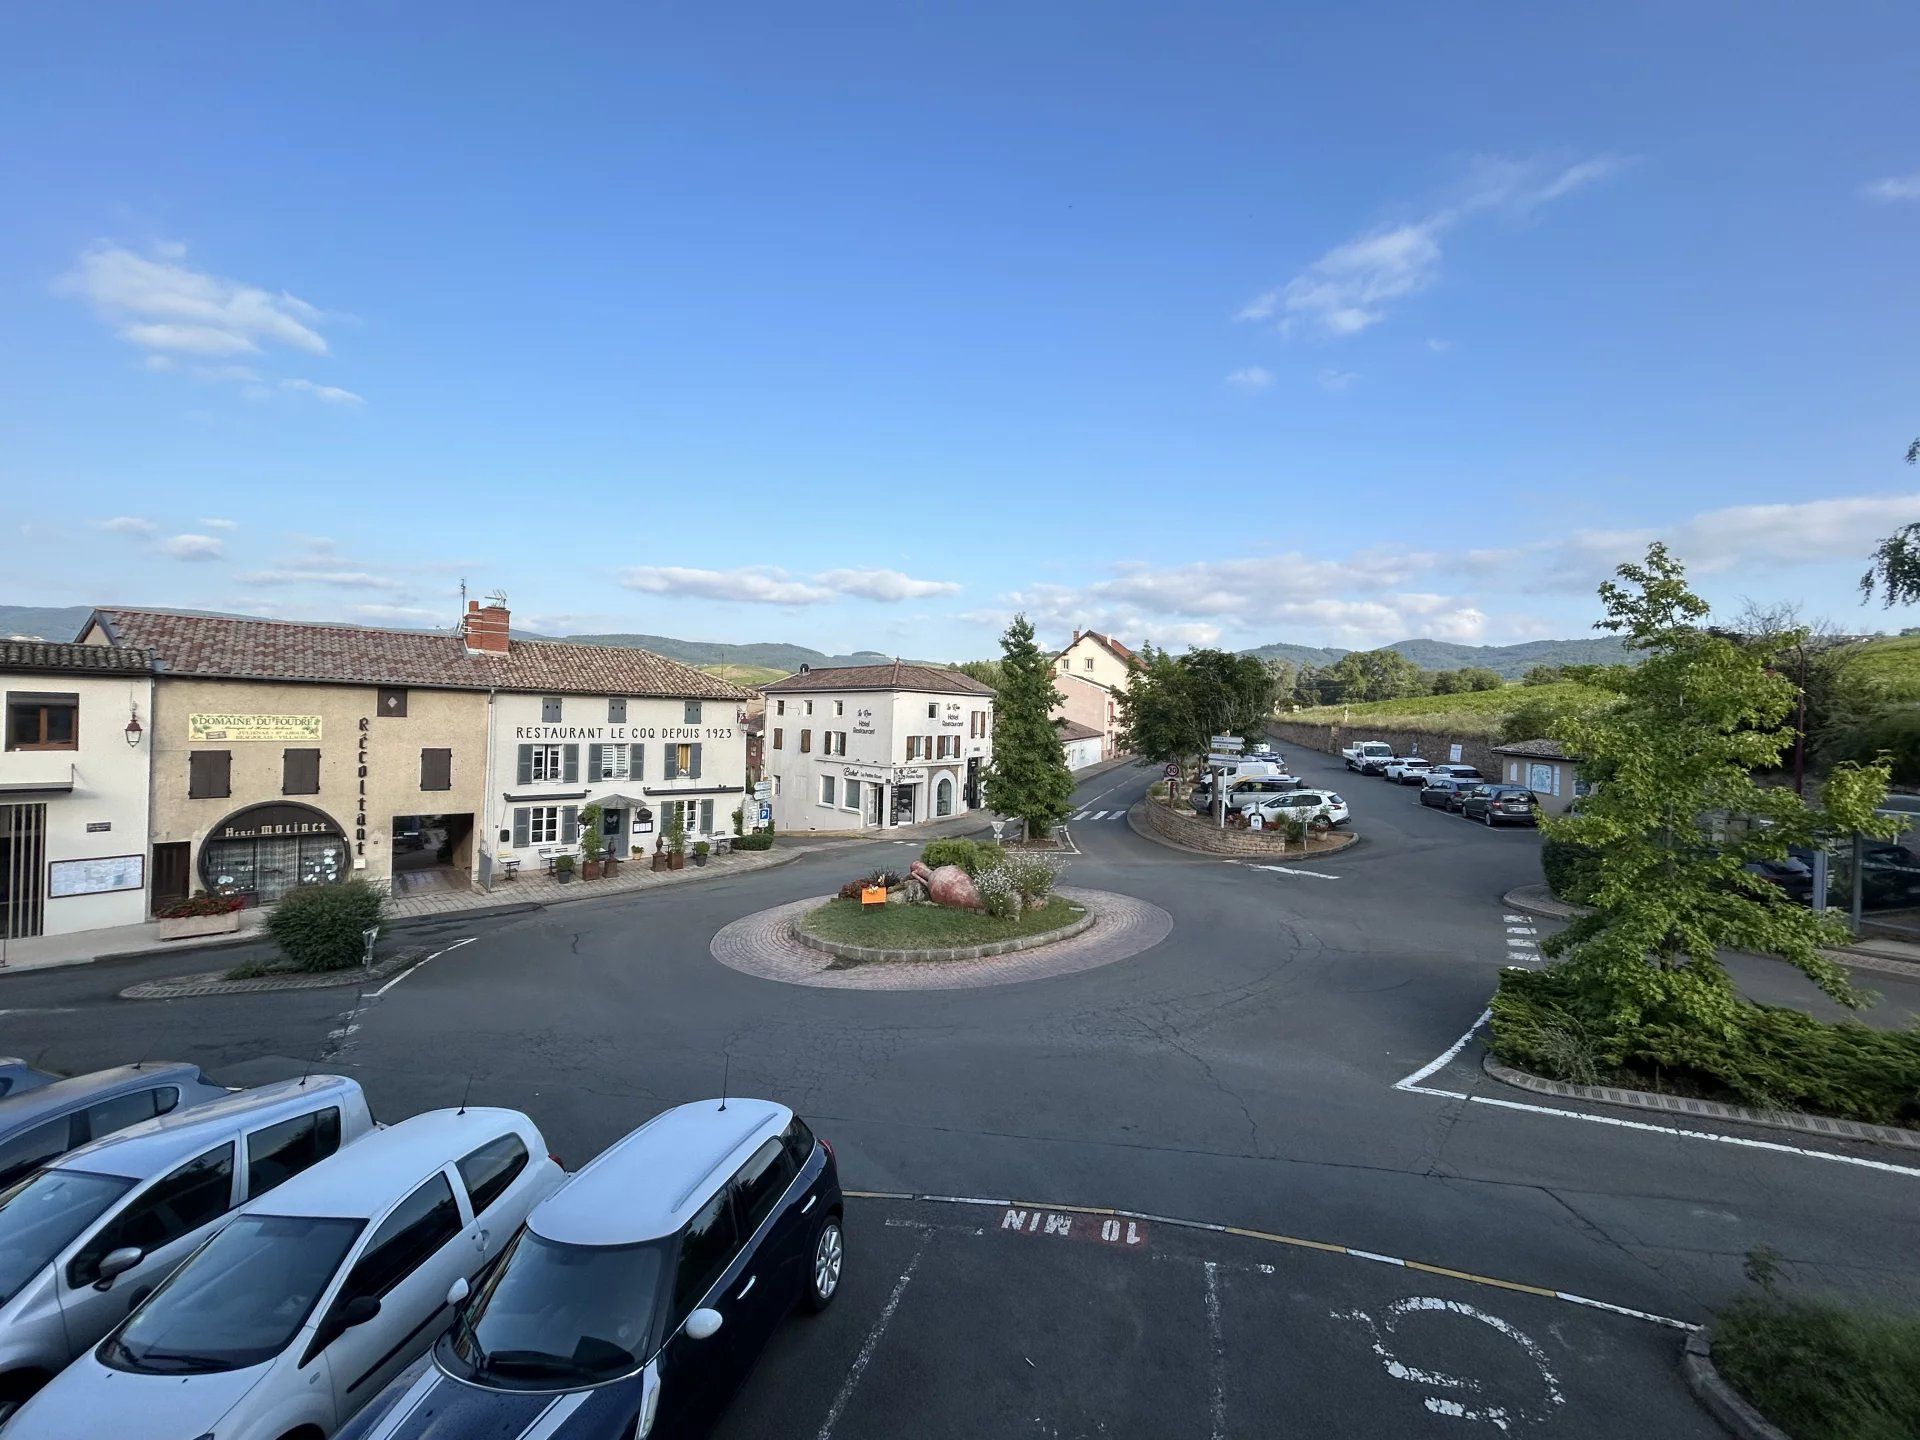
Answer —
1513 944
1521 930
1083 815
1289 870
405 973
1411 1084
865 1357
1497 1415
1216 1337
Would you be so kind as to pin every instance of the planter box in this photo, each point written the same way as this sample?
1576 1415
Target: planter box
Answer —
676 860
189 927
592 869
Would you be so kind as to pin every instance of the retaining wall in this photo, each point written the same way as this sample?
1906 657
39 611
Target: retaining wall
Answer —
1191 833
1435 745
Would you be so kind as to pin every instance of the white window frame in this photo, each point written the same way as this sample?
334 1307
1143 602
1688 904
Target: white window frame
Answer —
1088 663
546 764
826 791
779 707
543 825
616 762
849 794
809 705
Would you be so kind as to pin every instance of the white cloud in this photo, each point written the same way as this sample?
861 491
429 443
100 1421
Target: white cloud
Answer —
216 523
1893 188
340 575
326 394
129 525
193 547
1251 377
158 303
1438 346
1354 285
887 586
767 585
1336 379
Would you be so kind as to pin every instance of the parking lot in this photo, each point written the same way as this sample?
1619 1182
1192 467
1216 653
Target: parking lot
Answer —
987 1319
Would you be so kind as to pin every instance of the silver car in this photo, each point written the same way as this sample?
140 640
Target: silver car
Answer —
85 1240
43 1122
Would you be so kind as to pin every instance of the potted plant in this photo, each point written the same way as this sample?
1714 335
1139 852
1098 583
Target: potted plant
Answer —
204 914
563 868
700 852
676 839
593 844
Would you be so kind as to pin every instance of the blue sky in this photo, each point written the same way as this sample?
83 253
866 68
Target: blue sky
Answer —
864 326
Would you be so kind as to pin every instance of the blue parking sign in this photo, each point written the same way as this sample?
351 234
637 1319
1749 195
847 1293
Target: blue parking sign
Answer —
766 812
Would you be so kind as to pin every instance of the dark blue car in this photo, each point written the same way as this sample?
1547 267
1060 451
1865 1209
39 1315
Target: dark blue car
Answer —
639 1294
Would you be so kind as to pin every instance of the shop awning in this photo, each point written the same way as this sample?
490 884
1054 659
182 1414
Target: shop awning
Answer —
62 786
619 800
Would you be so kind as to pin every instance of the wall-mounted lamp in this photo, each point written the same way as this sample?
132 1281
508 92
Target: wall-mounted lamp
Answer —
134 731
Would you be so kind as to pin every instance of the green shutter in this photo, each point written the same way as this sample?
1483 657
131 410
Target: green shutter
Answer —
570 764
706 817
637 761
672 771
520 841
593 763
526 765
569 824
694 773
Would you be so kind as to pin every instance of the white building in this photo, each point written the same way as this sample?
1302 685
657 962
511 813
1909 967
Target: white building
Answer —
1081 745
873 746
74 786
1090 675
634 733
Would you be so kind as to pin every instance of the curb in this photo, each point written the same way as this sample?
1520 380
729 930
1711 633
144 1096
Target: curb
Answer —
215 982
1347 841
1527 898
862 954
1719 1398
1794 1120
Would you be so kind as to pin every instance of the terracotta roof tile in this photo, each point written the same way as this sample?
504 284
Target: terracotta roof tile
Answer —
1074 730
900 675
241 648
80 659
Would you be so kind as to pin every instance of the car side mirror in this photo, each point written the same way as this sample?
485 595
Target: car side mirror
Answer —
458 1291
703 1323
358 1311
116 1263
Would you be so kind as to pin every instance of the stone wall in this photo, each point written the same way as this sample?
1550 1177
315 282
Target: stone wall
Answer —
1435 745
1192 833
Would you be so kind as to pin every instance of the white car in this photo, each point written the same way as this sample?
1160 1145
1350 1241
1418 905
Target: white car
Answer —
1369 756
312 1298
1315 809
1408 769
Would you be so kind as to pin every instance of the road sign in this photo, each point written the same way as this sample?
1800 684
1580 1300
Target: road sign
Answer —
1227 742
766 812
1171 771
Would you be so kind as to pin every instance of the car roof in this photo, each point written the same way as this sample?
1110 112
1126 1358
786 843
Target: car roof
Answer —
651 1182
17 1112
366 1179
152 1146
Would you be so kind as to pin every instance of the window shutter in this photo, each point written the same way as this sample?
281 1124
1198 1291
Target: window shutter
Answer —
617 712
222 773
526 765
673 761
637 762
569 824
706 817
806 742
776 737
436 769
520 827
694 772
593 763
570 765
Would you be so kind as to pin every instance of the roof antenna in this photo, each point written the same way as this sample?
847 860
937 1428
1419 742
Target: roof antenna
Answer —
726 1074
465 1093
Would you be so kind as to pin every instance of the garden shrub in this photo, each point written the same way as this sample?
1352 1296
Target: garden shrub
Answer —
1568 870
884 879
973 856
1823 1371
1033 876
1769 1057
999 895
758 840
318 927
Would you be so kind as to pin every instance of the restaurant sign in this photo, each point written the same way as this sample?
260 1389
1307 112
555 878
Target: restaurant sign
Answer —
222 725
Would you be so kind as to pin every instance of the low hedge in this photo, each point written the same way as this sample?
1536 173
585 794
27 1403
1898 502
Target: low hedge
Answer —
319 927
1821 1371
973 856
759 840
1772 1058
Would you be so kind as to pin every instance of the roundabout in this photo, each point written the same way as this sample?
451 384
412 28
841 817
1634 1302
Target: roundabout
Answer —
1113 928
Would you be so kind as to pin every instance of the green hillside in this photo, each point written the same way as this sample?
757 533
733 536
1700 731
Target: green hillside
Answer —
1508 661
1892 662
1475 713
747 675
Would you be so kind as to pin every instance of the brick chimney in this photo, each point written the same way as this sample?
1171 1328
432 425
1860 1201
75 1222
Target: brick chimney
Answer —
485 628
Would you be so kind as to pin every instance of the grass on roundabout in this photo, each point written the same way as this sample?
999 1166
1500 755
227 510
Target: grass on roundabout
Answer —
930 927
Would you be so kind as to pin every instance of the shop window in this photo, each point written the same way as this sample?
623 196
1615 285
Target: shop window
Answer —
436 769
550 710
826 790
543 825
299 772
393 702
43 722
850 795
209 774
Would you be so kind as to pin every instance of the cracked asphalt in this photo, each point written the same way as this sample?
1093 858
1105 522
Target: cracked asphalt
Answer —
1240 1073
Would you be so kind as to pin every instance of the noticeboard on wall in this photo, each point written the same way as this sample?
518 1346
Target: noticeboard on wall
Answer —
99 876
206 726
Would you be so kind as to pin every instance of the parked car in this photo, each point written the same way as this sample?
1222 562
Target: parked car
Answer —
306 1303
45 1122
638 1295
1437 790
1456 770
17 1077
1407 769
1368 757
1791 877
1465 790
88 1238
1245 794
1316 809
1501 805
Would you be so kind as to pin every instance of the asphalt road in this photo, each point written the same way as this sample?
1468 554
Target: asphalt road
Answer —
1243 1073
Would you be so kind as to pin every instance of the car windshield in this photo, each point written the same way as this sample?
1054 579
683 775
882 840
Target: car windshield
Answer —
558 1315
43 1213
238 1301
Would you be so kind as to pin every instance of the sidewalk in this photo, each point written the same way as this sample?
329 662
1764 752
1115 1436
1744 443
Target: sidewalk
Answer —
523 893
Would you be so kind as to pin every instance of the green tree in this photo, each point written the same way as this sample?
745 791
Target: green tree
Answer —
1156 720
1479 677
1227 694
1029 778
1448 682
987 672
1895 570
1679 815
1541 675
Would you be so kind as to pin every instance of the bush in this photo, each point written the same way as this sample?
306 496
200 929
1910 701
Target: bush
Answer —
759 840
998 893
318 927
973 856
1820 1371
1769 1057
1033 876
201 904
883 879
1568 870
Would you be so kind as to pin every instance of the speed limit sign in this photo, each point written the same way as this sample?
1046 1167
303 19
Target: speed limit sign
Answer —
1172 772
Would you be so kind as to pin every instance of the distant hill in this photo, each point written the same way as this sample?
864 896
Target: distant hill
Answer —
767 654
1510 661
43 622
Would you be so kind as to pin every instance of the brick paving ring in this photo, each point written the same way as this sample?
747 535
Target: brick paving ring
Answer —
762 945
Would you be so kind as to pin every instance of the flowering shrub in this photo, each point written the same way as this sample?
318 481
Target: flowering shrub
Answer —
884 879
201 904
999 894
1033 875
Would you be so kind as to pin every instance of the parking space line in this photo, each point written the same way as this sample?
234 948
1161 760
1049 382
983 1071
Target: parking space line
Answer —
1216 1337
865 1357
1292 1241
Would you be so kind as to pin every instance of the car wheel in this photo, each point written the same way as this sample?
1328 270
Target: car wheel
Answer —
829 1254
1489 820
